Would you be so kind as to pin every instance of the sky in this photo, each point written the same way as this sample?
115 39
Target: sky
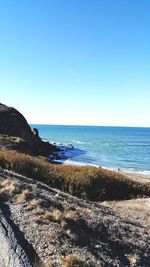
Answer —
76 62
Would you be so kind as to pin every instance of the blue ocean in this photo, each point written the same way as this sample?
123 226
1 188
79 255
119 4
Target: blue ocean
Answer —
124 148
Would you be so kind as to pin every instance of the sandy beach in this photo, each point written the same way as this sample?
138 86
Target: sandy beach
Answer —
137 176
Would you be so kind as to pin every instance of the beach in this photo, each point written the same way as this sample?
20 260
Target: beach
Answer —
137 177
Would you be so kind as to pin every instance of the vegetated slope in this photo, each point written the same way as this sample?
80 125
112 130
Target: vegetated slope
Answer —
67 231
85 182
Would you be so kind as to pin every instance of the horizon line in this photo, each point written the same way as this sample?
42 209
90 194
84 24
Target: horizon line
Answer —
82 125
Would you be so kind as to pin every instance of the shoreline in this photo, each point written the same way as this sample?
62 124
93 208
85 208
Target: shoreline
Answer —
137 176
141 176
134 175
68 152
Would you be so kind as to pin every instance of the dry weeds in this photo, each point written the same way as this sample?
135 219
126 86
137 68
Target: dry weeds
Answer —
85 182
71 261
9 188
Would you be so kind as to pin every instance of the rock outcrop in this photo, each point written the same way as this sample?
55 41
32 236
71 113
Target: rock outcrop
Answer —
13 123
11 252
15 133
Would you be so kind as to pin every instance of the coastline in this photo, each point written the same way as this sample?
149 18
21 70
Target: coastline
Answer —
70 154
141 176
137 176
134 175
113 148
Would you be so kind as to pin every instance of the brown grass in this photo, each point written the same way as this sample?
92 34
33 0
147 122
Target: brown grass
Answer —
69 214
14 189
85 182
43 215
12 139
67 261
56 215
9 188
35 204
24 196
72 261
39 264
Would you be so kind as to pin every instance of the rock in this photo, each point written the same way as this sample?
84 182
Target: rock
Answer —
15 133
13 123
11 252
35 132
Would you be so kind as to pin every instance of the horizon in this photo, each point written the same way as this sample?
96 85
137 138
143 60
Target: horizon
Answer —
76 62
79 125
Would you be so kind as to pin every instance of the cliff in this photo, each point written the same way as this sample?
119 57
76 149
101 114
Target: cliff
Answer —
15 133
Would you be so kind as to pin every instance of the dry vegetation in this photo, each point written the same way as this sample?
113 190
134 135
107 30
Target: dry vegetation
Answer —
86 182
42 212
67 261
72 261
12 139
68 232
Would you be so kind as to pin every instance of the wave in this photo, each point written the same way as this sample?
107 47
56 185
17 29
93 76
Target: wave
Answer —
72 155
78 163
78 142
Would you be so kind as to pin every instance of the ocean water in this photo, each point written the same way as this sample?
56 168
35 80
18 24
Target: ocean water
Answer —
125 148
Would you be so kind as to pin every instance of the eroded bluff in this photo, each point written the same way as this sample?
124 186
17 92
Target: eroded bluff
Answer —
16 134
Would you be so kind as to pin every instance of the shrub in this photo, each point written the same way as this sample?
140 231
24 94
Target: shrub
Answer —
85 182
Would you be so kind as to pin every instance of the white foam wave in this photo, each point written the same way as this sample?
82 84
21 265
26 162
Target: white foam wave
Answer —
129 171
78 142
144 172
77 163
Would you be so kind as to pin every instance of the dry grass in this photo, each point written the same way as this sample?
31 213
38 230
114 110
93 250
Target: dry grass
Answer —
14 189
39 264
24 196
133 260
12 139
67 261
86 182
47 264
35 204
72 261
56 215
45 215
42 214
9 188
70 214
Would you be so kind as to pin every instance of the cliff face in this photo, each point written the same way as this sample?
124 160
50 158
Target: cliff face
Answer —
13 123
15 133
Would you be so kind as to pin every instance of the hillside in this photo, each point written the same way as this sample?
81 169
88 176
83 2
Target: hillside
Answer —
61 228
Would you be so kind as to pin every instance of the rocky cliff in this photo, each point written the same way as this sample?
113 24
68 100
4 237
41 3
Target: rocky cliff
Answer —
15 133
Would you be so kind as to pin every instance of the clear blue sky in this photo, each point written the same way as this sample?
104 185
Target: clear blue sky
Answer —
76 61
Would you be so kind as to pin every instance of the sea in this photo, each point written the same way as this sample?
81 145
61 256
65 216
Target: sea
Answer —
116 148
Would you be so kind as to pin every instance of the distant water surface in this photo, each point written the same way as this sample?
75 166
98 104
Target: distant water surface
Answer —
126 148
